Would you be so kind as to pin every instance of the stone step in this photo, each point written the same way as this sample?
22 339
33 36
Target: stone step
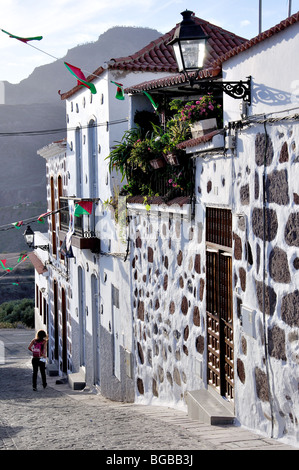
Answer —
207 408
52 370
77 380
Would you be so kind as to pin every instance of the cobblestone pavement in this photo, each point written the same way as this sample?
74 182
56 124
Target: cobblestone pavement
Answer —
58 418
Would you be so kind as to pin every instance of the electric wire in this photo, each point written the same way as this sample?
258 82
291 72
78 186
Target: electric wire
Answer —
10 226
61 129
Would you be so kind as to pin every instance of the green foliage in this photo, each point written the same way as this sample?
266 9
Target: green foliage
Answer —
18 311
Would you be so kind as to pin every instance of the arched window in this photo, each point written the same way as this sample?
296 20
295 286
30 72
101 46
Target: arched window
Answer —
92 159
78 149
81 313
53 219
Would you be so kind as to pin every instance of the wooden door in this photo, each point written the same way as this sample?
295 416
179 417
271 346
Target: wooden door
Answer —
64 331
219 310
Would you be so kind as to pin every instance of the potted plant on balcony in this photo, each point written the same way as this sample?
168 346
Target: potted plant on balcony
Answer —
144 153
177 131
201 115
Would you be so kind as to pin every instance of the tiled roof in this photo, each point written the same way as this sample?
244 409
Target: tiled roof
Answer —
159 200
158 56
37 263
212 68
199 140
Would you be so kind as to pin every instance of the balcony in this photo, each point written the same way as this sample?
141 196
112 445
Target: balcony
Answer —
84 236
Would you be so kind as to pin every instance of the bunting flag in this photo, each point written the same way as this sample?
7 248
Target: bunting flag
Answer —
155 106
41 219
3 264
80 77
35 38
119 91
22 257
83 207
18 225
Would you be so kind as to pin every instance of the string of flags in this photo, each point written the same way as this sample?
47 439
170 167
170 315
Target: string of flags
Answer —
6 269
81 207
75 209
76 71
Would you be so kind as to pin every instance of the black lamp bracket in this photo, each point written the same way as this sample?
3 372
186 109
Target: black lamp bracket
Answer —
41 247
236 89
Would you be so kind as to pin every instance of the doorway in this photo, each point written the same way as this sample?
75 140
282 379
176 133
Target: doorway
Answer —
95 328
56 321
219 305
81 312
64 331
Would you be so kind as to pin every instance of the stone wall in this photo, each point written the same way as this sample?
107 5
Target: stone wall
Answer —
169 285
266 278
168 303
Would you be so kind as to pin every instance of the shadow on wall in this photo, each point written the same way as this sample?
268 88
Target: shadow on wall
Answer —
273 97
111 387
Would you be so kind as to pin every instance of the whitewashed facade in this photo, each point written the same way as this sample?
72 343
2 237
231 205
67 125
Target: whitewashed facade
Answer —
56 293
100 302
194 287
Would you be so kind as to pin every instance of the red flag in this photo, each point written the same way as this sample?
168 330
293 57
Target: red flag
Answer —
80 77
83 207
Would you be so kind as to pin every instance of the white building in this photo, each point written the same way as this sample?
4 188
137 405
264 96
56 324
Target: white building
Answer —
216 295
56 293
96 279
193 301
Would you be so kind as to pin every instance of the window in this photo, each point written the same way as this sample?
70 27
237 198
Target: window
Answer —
78 143
53 219
92 158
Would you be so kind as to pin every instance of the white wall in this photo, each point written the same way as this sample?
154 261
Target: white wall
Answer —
274 68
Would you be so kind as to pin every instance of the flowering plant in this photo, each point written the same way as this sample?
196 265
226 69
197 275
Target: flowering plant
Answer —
141 153
204 108
176 180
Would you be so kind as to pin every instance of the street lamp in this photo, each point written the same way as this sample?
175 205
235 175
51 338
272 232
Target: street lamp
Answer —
189 45
29 238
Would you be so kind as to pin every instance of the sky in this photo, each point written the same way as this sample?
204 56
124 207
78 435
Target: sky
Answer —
64 24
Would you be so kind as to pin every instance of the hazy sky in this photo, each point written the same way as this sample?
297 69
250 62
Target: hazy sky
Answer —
66 23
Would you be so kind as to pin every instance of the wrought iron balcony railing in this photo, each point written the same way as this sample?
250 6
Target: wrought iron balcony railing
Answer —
84 236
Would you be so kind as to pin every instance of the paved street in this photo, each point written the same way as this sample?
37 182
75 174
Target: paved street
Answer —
57 418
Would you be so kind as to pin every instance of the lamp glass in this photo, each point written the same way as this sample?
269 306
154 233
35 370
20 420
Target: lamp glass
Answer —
29 236
193 53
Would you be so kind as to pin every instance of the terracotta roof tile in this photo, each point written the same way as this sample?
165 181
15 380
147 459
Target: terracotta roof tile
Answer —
199 140
220 41
158 200
37 263
158 56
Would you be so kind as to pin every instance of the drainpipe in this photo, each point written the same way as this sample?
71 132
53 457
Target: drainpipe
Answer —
267 359
260 16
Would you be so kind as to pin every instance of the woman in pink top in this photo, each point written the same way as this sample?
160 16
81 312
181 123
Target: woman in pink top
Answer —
38 347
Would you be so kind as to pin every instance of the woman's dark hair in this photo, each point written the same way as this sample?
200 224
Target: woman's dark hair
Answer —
41 335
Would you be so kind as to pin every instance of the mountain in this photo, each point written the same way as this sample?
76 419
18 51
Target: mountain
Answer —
34 104
43 83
